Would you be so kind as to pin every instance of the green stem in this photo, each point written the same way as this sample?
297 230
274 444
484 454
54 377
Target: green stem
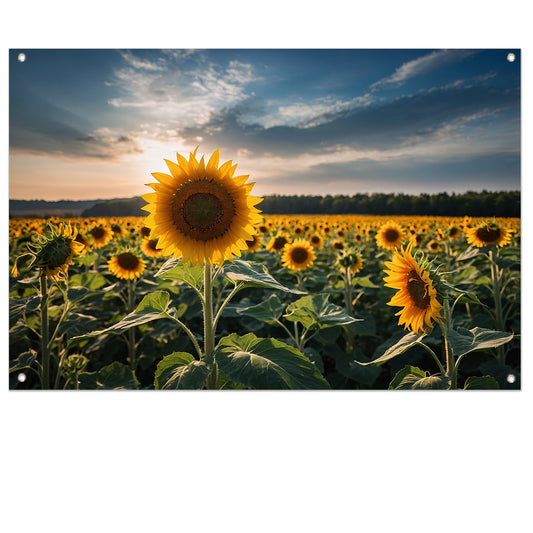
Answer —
45 374
499 324
348 288
437 360
189 334
450 360
234 291
293 340
131 331
209 324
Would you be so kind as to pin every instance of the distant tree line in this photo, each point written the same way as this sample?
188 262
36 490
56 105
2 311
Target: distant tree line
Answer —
475 204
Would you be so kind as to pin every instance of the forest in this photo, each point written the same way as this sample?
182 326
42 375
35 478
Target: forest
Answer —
476 204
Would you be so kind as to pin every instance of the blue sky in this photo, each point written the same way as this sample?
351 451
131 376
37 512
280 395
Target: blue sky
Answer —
88 124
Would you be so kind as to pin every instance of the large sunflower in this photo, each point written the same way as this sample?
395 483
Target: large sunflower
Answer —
126 265
416 292
488 233
201 212
390 235
298 255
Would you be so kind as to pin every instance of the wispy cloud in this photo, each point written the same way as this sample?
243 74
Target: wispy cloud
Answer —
170 92
400 122
419 66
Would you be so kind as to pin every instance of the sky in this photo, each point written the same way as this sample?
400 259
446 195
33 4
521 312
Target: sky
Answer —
94 123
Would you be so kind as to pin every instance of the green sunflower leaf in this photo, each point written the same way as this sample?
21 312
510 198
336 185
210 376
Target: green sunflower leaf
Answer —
91 280
402 345
254 275
481 383
24 360
266 364
175 269
18 305
152 307
463 341
268 311
180 370
412 378
469 253
314 311
115 376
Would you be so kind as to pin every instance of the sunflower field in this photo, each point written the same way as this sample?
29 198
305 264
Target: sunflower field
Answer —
206 293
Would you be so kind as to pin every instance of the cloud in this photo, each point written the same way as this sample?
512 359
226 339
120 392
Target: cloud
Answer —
141 64
40 127
180 87
401 122
421 65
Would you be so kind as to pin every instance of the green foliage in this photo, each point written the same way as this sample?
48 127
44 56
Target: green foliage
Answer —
412 378
266 364
464 341
180 370
114 376
315 311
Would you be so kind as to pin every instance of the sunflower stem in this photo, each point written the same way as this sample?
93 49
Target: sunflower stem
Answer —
131 331
451 371
45 374
209 324
499 324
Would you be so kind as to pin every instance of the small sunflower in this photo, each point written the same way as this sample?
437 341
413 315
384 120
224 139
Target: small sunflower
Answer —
145 232
337 245
53 251
390 235
416 292
298 255
488 233
201 212
126 265
149 248
82 240
276 244
350 259
101 236
358 264
254 243
433 245
316 241
454 232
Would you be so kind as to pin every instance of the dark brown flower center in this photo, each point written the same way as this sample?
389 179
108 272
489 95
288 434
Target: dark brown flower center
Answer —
203 210
338 245
315 239
391 235
279 243
145 232
418 290
127 261
488 234
252 241
98 232
299 255
152 244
